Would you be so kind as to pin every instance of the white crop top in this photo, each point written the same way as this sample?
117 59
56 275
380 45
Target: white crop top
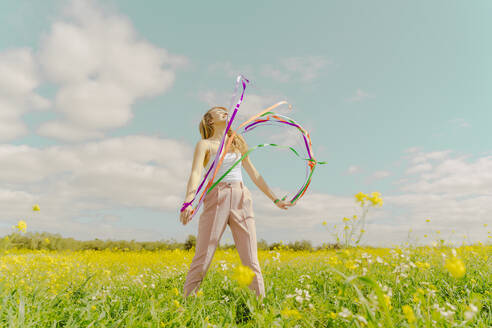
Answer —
229 160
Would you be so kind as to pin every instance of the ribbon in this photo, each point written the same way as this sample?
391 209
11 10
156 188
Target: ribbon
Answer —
265 117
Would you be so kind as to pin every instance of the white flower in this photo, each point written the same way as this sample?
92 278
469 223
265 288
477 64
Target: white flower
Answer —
447 314
471 312
452 307
361 319
345 313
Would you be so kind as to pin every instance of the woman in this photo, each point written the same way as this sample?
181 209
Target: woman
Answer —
228 203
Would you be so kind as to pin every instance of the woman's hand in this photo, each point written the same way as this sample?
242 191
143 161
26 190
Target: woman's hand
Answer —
284 205
185 216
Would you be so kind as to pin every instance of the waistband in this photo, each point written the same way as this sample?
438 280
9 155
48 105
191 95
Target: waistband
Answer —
230 184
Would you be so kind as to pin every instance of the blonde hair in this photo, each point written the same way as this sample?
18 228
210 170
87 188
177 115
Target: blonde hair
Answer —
207 130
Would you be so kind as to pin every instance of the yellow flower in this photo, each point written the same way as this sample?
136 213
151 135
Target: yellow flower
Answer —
324 223
21 225
376 199
287 313
455 267
427 220
346 219
408 311
35 207
387 301
243 275
362 230
350 265
333 260
355 217
199 293
176 303
175 291
332 315
93 307
425 236
46 240
346 227
375 194
360 197
485 225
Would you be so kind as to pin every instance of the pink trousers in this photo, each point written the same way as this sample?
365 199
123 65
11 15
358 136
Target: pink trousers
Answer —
229 203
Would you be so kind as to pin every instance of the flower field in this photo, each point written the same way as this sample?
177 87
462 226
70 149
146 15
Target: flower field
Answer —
353 287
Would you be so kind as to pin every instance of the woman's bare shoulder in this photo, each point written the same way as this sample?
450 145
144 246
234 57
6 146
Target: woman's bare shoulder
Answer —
204 145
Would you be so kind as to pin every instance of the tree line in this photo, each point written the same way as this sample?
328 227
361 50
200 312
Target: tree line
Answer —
49 241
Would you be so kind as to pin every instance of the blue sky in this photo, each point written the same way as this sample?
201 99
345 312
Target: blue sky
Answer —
382 87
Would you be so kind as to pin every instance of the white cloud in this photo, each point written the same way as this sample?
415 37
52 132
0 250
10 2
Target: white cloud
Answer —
460 122
352 169
68 181
102 67
230 70
251 105
304 69
452 175
359 96
411 150
452 193
276 74
18 80
419 168
301 68
381 174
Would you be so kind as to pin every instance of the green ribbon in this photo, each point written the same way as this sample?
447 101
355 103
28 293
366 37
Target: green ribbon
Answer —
271 144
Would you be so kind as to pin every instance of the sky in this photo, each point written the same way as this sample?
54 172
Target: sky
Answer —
100 103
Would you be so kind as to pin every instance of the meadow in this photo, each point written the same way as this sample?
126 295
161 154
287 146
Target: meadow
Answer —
431 286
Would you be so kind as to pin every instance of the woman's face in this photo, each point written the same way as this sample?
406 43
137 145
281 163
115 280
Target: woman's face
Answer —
218 115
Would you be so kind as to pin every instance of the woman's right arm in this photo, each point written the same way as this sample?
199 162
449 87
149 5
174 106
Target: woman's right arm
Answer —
196 169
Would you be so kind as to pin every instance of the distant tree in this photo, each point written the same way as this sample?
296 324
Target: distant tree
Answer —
263 245
190 242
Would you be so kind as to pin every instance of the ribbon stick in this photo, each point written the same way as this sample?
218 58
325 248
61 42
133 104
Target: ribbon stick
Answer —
240 80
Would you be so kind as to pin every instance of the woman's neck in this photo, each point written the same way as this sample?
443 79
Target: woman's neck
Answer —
219 130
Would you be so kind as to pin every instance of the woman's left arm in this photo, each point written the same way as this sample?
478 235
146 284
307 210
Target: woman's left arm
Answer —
258 180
